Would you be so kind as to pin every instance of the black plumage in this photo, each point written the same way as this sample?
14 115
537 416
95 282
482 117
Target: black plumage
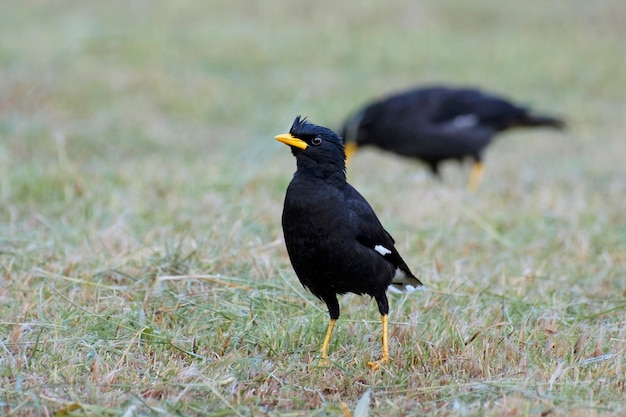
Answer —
437 123
335 242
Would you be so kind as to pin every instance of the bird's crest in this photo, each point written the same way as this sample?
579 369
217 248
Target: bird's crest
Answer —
299 125
302 128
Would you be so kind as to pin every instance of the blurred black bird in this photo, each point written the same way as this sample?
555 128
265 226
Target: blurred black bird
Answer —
437 123
335 242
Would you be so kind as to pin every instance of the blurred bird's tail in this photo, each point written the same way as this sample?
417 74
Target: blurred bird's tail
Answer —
531 120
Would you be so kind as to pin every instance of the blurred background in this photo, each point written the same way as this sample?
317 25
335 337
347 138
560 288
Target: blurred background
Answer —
128 125
143 110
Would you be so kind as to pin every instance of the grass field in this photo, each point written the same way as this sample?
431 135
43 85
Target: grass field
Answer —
142 266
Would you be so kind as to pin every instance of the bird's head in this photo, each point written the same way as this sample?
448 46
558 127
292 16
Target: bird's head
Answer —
314 146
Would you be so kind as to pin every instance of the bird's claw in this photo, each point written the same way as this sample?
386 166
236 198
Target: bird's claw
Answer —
376 364
324 359
345 410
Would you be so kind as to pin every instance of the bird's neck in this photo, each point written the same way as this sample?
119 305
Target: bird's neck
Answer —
331 173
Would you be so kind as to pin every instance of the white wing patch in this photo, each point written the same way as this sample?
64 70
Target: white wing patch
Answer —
465 120
382 250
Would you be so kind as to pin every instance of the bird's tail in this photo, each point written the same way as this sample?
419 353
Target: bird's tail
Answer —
405 281
532 120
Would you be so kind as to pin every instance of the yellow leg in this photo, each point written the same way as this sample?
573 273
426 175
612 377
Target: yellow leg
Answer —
350 148
324 349
385 354
478 169
345 410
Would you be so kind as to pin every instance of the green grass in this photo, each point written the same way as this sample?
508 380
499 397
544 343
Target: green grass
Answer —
142 267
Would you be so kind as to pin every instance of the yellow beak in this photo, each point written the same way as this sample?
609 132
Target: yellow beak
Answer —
287 139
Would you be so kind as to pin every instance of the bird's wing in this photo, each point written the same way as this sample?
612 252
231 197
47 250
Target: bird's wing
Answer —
472 107
369 231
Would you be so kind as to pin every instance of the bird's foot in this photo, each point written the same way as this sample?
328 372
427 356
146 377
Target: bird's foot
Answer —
345 410
324 360
376 364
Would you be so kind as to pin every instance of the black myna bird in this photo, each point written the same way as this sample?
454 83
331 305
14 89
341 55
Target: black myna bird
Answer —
335 242
437 123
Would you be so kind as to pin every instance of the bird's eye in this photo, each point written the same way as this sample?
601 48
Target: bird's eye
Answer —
316 141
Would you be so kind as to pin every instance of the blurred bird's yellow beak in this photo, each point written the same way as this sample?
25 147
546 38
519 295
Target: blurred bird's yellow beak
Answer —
287 139
350 151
